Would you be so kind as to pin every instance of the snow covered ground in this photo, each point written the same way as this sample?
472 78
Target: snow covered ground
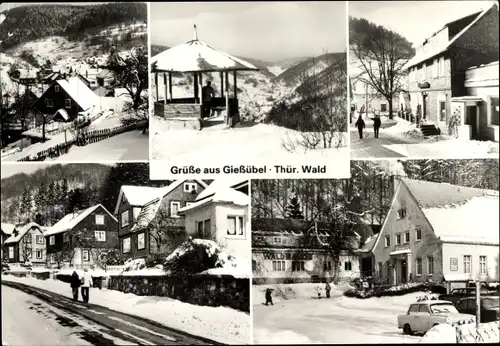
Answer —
301 319
257 144
217 323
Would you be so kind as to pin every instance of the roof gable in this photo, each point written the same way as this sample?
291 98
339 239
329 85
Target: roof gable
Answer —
79 92
20 230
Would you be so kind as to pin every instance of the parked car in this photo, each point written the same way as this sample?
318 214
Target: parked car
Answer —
424 315
489 309
459 293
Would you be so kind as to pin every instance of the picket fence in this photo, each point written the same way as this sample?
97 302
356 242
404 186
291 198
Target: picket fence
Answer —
486 333
83 138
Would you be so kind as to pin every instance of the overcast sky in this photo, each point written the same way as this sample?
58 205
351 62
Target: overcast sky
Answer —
268 31
415 20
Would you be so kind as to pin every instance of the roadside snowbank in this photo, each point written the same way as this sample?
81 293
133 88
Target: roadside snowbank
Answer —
222 324
440 334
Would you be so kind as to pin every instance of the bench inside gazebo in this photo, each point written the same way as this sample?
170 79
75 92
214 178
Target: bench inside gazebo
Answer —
197 58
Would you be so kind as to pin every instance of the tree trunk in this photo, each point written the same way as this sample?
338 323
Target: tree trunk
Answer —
389 100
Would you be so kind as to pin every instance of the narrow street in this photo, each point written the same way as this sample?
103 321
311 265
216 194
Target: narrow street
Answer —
371 147
61 321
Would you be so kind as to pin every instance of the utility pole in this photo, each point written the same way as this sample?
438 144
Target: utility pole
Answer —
478 303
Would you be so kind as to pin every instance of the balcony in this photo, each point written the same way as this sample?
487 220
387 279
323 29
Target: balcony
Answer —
484 75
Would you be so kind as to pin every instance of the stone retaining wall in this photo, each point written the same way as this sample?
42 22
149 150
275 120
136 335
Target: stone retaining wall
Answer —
173 110
206 290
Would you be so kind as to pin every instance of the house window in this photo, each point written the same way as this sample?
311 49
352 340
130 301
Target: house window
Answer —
174 208
327 266
467 264
124 219
39 239
85 255
494 111
190 187
67 103
442 110
402 213
136 211
235 226
52 240
347 266
482 265
56 88
100 235
11 252
407 237
418 234
387 241
141 241
49 103
99 219
277 240
398 239
279 266
430 265
39 254
126 245
383 107
419 266
204 228
298 266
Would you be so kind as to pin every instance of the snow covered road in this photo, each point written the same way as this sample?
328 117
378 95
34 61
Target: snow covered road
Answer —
335 320
371 147
92 323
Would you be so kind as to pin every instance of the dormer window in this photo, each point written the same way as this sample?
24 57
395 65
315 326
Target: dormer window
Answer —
56 88
402 213
123 198
190 187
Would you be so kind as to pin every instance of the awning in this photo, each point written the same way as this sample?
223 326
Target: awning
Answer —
468 100
400 252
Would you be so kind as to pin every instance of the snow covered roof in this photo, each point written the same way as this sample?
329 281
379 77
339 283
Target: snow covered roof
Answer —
443 46
293 227
453 211
105 74
197 56
218 184
79 92
62 112
20 230
141 195
7 228
71 220
400 252
146 215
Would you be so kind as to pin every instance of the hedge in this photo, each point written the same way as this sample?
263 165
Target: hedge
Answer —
391 292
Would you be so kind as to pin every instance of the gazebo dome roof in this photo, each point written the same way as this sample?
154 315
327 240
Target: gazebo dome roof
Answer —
197 56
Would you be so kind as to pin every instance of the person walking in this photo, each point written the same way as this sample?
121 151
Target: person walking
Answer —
327 289
207 94
86 284
75 284
360 124
269 297
376 125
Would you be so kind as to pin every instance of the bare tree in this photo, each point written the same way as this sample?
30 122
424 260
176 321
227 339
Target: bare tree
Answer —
25 248
382 55
166 232
320 106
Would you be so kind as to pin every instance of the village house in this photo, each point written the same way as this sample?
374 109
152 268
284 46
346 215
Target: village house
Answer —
437 74
140 208
7 229
66 98
221 213
437 232
25 244
365 95
294 251
80 238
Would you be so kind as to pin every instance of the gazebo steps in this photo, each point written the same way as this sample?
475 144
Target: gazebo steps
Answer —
180 123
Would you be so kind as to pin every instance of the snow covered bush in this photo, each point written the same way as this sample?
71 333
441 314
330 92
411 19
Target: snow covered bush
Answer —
429 288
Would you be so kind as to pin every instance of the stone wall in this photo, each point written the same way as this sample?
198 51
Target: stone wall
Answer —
173 110
206 290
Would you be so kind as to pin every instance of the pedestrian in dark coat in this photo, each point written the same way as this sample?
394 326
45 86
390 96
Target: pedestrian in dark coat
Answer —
376 125
75 284
327 289
360 124
269 297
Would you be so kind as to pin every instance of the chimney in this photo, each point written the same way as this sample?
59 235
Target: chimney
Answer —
395 181
195 35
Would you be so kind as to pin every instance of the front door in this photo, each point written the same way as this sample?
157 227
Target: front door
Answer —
471 112
425 108
404 268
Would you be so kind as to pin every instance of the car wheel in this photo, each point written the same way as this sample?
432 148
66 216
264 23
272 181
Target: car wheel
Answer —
407 329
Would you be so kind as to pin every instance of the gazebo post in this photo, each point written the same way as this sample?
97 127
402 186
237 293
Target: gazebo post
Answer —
195 87
170 85
165 85
234 86
221 84
227 97
156 84
201 81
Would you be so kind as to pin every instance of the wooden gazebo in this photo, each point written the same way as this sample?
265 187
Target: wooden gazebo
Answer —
196 57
